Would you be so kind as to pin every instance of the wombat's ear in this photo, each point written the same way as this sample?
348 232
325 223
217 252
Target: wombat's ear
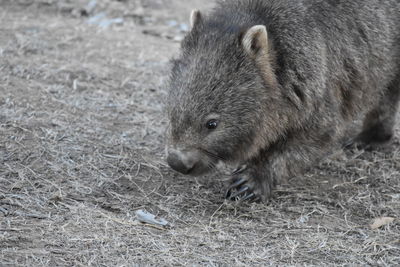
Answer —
195 18
255 44
255 40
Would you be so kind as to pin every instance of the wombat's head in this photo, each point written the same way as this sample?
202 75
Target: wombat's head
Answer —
219 90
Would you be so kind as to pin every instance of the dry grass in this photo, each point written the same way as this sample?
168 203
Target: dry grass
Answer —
81 128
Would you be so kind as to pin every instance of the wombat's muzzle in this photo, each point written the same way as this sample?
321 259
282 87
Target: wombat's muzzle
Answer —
183 162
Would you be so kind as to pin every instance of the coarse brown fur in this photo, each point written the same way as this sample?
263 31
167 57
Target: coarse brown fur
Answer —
281 80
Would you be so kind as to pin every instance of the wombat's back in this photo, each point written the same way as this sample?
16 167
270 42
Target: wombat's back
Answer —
327 45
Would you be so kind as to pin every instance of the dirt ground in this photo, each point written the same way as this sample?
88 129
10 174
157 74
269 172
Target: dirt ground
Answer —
82 149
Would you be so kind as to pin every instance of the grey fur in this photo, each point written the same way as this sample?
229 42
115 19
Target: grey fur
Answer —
333 61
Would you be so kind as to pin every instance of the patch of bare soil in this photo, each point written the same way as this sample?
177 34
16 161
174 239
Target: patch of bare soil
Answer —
81 149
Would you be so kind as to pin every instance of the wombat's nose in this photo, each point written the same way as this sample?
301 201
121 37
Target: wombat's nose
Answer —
180 161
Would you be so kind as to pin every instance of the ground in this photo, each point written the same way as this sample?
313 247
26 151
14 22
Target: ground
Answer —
82 148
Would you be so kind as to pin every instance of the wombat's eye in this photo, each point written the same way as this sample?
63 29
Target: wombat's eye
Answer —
212 124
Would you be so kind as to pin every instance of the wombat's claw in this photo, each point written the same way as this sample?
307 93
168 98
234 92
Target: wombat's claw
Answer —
250 197
355 143
239 169
236 184
241 193
349 143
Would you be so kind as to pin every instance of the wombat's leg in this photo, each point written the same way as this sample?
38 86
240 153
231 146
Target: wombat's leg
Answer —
379 123
278 164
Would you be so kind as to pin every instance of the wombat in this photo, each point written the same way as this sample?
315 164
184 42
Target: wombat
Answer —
271 85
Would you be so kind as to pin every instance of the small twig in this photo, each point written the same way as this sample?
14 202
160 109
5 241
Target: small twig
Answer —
215 212
349 183
10 229
31 215
134 223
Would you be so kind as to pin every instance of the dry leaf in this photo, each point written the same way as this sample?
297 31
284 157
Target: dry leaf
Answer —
381 221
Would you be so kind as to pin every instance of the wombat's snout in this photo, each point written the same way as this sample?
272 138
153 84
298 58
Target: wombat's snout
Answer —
182 161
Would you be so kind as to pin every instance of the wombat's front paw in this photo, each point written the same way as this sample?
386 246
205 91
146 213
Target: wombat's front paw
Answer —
246 185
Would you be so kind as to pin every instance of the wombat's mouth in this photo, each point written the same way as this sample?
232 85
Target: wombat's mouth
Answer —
193 163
